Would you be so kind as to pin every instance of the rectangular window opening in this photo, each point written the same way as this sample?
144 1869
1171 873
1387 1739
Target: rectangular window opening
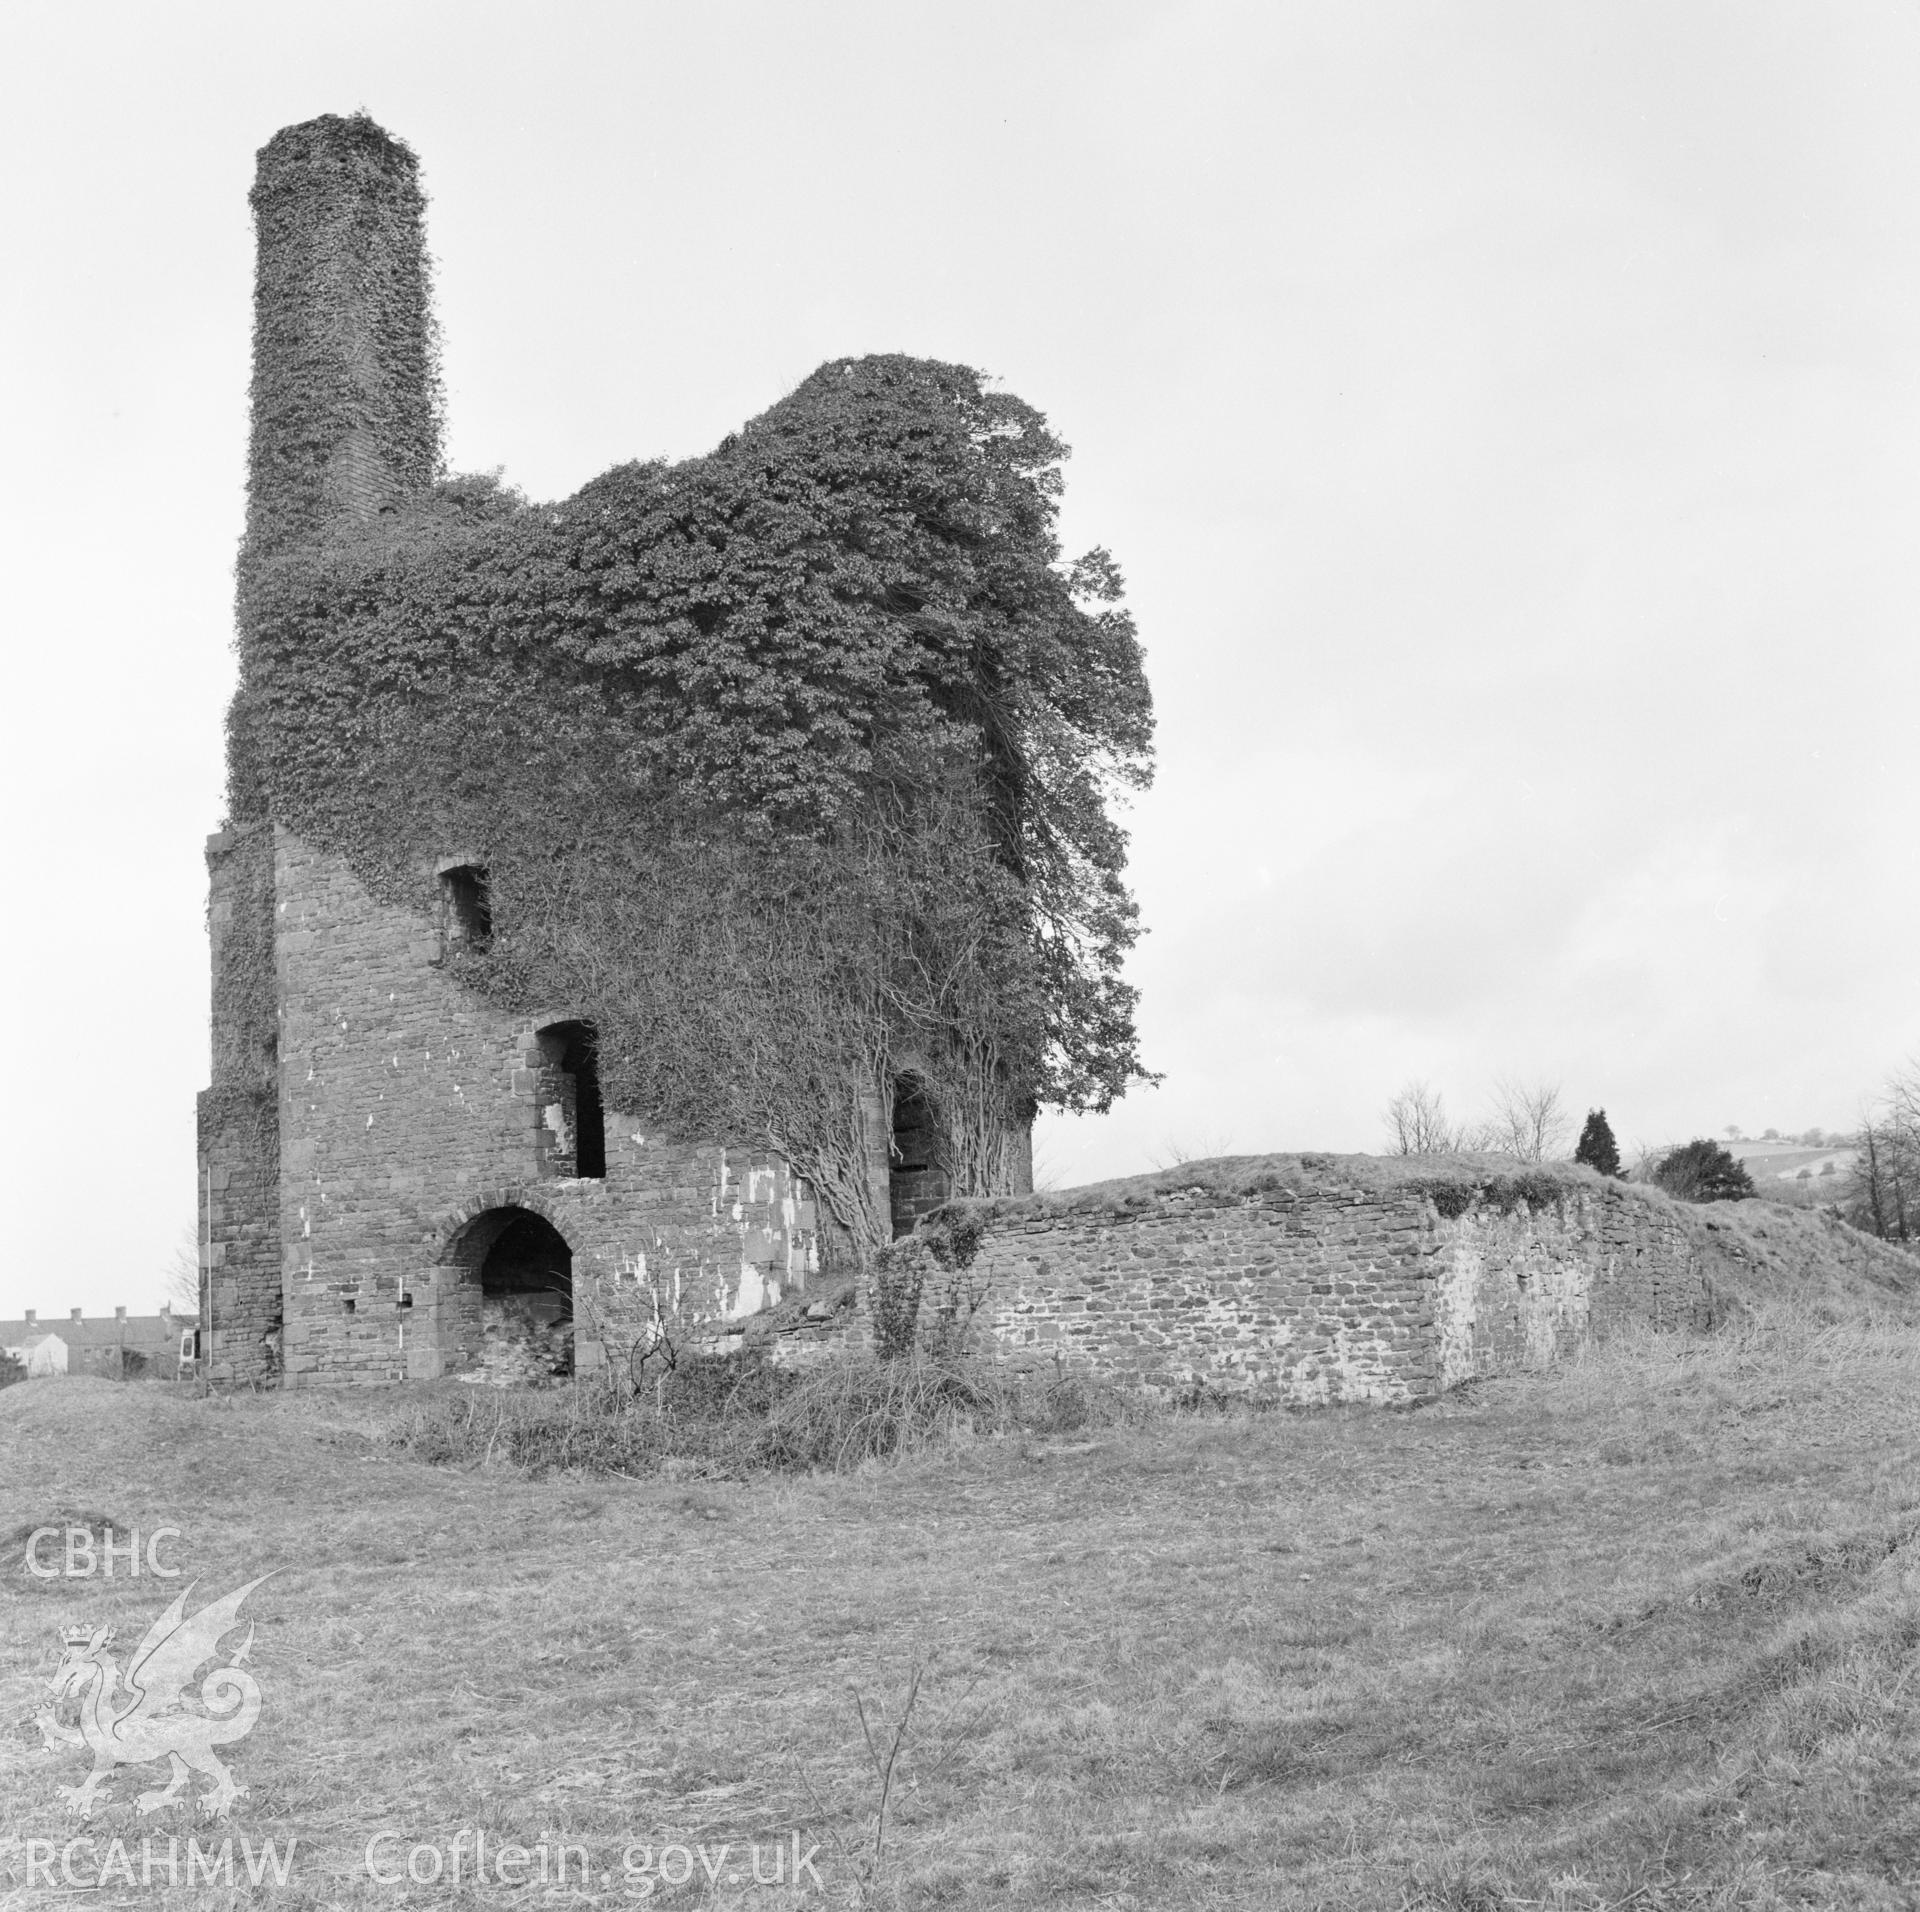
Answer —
573 1122
465 906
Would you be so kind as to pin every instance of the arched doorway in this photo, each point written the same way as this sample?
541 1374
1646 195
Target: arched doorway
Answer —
507 1301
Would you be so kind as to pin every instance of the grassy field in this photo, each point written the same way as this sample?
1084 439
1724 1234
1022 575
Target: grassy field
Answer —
1639 1632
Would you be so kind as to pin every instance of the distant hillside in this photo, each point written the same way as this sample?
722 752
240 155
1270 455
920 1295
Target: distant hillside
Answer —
1793 1161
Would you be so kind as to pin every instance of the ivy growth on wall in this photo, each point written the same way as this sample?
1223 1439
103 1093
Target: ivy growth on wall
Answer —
794 767
346 389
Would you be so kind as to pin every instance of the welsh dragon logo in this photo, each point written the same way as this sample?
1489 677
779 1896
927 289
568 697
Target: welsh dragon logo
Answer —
156 1719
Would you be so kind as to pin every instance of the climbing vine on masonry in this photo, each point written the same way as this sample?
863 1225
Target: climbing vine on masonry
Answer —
795 765
346 362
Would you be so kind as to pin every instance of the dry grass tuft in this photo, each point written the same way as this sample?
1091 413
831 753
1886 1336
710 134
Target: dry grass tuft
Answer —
838 1415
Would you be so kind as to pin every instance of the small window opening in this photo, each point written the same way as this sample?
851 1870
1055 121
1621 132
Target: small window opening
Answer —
573 1124
466 908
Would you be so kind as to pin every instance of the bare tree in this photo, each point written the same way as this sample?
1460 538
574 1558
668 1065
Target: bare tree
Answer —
1527 1120
1647 1156
1903 1094
1885 1195
1202 1149
181 1277
1417 1123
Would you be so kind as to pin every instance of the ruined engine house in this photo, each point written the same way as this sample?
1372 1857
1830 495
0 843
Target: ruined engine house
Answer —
397 1178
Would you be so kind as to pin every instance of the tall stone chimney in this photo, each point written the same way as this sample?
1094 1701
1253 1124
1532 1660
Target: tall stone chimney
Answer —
345 397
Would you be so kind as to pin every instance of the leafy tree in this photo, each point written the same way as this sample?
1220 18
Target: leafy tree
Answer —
1596 1147
797 765
1703 1171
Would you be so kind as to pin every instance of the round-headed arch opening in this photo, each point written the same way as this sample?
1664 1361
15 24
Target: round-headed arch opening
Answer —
515 1301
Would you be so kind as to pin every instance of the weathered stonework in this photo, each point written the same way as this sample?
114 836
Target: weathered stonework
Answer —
1316 1283
239 1133
414 1124
1527 1287
392 1171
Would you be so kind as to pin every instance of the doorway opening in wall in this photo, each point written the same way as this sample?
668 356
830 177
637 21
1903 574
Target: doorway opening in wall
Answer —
574 1124
917 1180
512 1313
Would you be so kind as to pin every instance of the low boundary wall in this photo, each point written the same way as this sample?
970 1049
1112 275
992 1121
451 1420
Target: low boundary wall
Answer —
1306 1278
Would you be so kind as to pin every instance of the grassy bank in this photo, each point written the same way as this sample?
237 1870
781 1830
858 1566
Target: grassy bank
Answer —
1639 1632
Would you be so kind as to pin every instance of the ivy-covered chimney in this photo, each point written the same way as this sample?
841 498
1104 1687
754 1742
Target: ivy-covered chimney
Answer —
345 394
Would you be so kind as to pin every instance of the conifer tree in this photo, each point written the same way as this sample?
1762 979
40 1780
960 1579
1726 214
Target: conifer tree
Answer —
1596 1147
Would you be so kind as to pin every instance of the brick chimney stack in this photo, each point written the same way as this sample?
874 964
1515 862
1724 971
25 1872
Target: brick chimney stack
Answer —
76 1314
345 397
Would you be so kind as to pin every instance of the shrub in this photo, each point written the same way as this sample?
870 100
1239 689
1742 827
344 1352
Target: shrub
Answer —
1702 1171
939 1252
720 1387
860 1409
1453 1195
10 1369
727 1417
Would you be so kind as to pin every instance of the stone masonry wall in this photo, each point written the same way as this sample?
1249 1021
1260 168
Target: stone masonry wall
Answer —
1320 1282
1320 1298
358 1159
1526 1287
409 1109
238 1129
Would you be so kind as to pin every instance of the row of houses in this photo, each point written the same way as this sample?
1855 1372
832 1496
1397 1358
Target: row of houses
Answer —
125 1348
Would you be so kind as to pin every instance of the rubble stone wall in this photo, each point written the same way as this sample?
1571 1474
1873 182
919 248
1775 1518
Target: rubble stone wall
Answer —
1526 1287
408 1108
238 1148
361 1150
1316 1280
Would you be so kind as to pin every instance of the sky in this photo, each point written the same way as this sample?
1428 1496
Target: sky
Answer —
1507 419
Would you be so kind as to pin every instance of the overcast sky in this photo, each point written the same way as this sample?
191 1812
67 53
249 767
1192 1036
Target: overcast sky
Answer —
1507 418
